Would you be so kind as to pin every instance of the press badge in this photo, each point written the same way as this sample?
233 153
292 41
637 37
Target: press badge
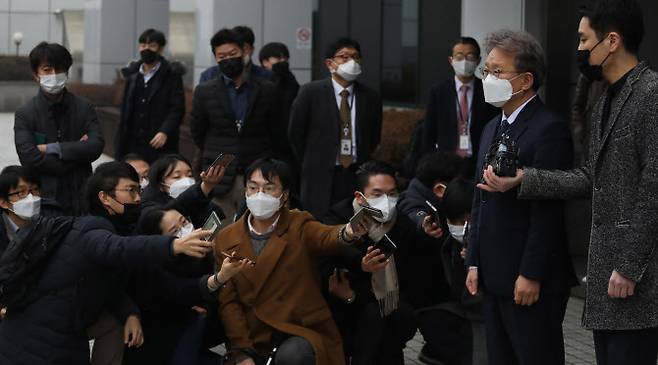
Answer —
464 142
346 147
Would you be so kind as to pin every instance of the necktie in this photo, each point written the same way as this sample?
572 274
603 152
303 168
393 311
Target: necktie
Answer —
462 123
502 128
463 104
345 153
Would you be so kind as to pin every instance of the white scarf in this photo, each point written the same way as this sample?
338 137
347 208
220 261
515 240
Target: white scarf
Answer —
384 282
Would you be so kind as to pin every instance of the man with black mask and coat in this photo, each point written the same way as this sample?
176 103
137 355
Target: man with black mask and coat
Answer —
236 114
80 277
153 102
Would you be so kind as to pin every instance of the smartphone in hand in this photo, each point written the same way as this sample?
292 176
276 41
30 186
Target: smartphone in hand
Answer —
223 160
235 257
436 217
386 246
212 224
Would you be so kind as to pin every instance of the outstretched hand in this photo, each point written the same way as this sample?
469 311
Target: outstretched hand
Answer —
194 244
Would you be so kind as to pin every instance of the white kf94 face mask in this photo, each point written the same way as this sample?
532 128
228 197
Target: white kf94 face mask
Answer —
263 206
179 186
498 92
349 70
53 84
28 207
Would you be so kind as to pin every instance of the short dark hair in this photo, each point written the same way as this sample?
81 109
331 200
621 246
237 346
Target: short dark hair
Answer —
134 157
271 168
471 41
105 178
30 175
372 168
458 198
153 35
149 221
341 43
53 54
8 181
163 167
245 33
273 49
438 167
225 36
621 16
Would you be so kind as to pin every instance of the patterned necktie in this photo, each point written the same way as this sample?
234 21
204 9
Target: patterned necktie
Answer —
345 158
462 121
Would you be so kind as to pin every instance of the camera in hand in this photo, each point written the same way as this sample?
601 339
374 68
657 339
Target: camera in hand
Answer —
503 156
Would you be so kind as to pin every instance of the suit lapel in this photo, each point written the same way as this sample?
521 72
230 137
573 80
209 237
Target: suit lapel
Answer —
521 123
358 116
269 257
615 109
331 96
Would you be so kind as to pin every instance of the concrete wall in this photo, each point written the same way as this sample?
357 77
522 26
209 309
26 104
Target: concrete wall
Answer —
36 19
272 20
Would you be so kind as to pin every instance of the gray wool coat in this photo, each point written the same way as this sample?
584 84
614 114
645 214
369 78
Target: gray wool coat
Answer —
621 176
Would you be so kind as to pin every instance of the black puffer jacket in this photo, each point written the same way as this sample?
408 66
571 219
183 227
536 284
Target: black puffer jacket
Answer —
214 129
79 281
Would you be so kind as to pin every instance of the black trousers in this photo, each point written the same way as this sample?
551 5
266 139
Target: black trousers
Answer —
637 347
380 341
525 335
295 350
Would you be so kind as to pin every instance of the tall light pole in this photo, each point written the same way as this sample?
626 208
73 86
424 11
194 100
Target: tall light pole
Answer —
18 39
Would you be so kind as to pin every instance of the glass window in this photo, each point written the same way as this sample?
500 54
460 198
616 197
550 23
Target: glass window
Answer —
400 51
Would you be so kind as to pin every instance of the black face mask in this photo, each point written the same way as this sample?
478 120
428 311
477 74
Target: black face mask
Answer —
148 56
126 222
281 68
231 67
591 72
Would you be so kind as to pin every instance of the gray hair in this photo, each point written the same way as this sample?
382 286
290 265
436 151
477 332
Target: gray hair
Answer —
528 53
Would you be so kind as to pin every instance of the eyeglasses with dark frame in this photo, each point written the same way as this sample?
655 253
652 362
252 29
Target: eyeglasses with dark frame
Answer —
25 192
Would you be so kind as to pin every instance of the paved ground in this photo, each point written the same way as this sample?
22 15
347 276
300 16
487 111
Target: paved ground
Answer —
578 342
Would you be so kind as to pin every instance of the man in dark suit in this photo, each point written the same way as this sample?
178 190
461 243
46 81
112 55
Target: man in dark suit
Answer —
456 111
620 177
236 114
153 102
518 248
247 35
335 125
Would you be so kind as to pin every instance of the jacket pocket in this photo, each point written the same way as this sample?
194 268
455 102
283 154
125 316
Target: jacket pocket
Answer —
622 132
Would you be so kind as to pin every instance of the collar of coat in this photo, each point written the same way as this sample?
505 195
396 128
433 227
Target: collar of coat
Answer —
269 257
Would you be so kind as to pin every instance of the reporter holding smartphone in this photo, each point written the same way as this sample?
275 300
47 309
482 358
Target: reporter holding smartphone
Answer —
371 301
81 276
278 303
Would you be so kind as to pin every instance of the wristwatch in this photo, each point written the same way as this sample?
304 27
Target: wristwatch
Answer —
352 299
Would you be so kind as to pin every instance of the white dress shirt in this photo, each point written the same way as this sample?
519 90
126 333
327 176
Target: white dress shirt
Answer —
516 112
149 75
351 100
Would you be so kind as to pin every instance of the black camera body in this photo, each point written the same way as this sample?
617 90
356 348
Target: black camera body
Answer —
503 156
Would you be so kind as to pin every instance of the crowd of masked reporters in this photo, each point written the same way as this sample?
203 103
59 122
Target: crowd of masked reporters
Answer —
141 269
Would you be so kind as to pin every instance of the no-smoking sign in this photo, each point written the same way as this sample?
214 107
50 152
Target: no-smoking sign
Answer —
303 37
